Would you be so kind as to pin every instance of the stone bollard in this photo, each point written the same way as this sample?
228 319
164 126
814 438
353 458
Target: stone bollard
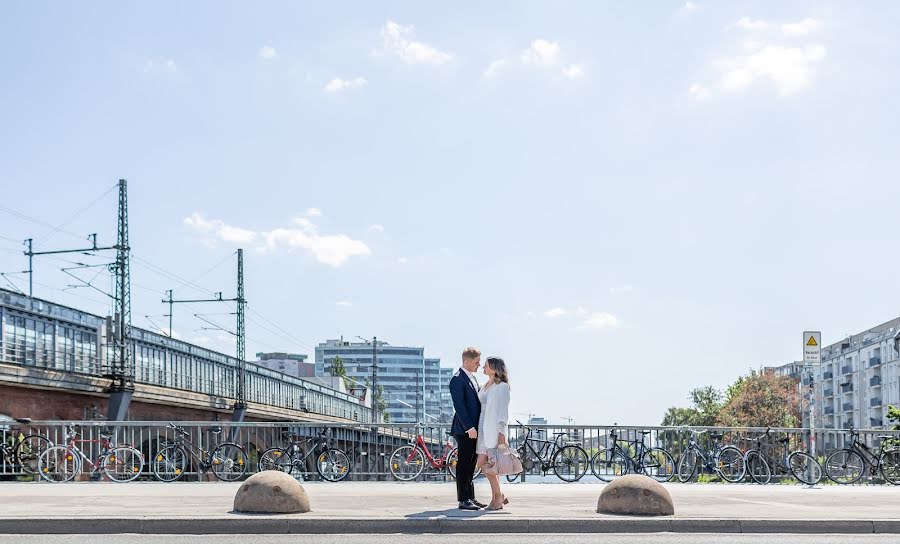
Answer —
271 492
635 495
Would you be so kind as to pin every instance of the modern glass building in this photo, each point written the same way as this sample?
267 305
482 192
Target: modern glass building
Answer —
415 386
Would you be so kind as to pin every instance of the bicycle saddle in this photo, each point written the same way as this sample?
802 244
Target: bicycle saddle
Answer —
214 430
886 436
24 420
646 432
784 440
716 435
105 435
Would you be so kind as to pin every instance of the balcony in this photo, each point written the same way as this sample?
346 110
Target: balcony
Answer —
846 370
829 410
875 381
846 387
829 392
848 406
874 361
875 401
828 375
807 381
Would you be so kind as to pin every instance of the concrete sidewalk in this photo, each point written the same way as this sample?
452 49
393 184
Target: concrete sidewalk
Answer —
387 507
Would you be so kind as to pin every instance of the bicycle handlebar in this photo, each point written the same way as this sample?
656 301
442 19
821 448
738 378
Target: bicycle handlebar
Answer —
179 429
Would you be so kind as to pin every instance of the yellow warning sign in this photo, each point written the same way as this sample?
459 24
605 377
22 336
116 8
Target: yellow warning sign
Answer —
812 341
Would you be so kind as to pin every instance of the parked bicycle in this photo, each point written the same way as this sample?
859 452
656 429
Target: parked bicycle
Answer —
727 462
332 464
613 461
408 462
568 460
23 449
847 466
770 459
227 461
119 463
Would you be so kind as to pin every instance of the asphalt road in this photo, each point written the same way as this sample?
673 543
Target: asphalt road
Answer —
661 538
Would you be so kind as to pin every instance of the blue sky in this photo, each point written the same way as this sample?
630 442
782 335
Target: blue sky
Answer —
625 200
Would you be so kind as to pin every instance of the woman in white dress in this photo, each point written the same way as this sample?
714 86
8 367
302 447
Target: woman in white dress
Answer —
492 426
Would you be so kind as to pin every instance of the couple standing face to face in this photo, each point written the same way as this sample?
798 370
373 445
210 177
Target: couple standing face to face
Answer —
472 365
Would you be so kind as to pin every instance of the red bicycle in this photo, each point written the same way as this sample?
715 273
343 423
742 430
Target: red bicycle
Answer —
408 462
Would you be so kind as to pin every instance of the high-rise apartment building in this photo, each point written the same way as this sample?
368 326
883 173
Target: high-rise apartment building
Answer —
415 386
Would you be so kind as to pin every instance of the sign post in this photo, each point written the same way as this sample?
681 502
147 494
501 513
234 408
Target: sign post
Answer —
812 357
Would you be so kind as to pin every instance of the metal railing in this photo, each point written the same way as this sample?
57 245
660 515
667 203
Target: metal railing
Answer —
369 448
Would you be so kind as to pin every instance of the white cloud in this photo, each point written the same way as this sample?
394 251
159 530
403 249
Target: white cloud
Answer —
344 303
337 84
313 212
541 52
396 40
747 23
573 71
267 52
555 312
530 315
699 91
170 64
690 6
376 228
494 67
220 230
601 320
800 28
402 260
331 249
624 289
789 68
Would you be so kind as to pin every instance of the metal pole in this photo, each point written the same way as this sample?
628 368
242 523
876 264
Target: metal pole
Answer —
374 377
30 268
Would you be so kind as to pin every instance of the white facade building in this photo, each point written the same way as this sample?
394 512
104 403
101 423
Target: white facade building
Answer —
858 380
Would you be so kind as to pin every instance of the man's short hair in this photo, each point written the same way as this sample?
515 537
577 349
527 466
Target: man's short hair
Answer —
471 354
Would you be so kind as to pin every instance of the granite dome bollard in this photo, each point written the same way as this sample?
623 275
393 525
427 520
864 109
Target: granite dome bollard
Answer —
271 492
635 495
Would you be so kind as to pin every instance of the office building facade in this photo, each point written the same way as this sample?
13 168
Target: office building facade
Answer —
415 386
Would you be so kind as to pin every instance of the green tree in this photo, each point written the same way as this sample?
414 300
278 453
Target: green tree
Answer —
337 369
705 405
761 399
677 416
707 401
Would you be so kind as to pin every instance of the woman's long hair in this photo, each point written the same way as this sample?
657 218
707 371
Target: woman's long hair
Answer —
499 367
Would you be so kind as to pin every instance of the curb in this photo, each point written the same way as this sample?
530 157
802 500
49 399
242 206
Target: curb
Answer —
298 524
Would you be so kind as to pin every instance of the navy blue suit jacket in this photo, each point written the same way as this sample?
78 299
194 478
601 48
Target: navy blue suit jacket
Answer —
465 403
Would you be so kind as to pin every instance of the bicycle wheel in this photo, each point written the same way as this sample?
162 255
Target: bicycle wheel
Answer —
275 459
805 468
890 465
570 463
451 462
58 464
608 465
687 465
28 450
228 462
658 464
757 467
123 464
730 464
844 466
333 465
407 462
170 463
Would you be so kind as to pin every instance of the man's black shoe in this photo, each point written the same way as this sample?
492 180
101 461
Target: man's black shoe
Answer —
468 504
479 503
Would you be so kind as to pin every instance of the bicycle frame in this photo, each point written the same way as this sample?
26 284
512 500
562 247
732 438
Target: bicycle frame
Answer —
553 447
437 463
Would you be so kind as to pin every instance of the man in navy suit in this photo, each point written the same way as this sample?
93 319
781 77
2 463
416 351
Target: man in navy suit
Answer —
464 391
